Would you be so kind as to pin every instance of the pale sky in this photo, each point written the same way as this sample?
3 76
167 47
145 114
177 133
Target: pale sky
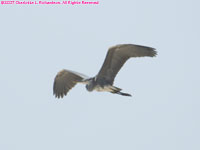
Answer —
37 41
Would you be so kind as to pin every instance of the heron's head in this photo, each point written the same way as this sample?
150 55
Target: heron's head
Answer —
90 85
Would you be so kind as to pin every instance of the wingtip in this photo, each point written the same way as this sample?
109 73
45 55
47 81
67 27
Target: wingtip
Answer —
154 53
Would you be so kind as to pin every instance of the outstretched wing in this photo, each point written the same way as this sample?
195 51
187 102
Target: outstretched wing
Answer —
118 55
65 80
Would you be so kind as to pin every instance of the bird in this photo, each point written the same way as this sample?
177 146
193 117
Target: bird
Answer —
116 57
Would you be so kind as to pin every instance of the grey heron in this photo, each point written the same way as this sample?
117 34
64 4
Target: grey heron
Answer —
103 81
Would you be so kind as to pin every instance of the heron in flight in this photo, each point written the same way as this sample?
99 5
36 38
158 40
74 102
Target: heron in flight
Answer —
103 81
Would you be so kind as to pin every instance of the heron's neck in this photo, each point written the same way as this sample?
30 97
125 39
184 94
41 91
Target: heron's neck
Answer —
89 80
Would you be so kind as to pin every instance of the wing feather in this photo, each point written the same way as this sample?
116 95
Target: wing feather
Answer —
66 80
118 55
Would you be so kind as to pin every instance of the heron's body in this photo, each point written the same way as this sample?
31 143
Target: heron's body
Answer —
103 81
93 84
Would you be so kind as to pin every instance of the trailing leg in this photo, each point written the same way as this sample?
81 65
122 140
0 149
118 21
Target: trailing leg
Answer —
116 90
123 94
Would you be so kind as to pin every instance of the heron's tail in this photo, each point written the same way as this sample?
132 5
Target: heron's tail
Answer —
116 90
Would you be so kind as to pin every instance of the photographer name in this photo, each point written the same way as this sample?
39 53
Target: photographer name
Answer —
51 2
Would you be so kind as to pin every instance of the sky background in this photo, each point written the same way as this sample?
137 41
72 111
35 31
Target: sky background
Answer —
38 41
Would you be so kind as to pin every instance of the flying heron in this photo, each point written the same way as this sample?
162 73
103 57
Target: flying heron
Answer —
103 81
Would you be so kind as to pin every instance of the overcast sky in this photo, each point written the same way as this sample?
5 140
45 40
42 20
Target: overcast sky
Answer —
37 41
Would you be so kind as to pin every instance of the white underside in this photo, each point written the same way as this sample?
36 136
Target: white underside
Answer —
108 88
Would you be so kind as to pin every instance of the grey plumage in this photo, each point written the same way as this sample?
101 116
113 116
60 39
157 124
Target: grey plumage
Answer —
103 81
118 55
65 80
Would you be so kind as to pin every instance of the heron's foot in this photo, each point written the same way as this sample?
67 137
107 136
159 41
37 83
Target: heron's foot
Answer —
121 93
124 94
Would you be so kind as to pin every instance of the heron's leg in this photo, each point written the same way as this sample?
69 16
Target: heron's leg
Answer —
123 94
116 90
